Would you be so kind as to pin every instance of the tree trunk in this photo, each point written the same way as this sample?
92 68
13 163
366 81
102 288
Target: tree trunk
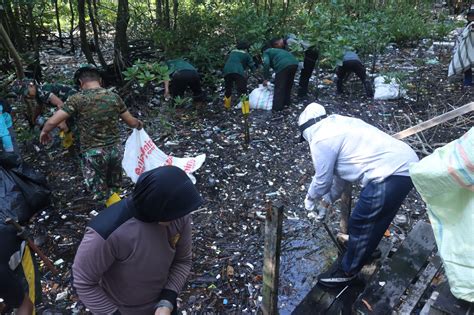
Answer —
58 23
16 32
121 52
96 15
123 17
167 14
83 31
20 74
71 32
102 61
159 12
175 14
32 29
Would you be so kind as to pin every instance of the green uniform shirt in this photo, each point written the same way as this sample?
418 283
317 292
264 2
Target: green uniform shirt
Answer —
60 90
278 59
178 65
237 62
97 112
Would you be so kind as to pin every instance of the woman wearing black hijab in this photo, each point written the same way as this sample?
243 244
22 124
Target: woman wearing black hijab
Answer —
136 255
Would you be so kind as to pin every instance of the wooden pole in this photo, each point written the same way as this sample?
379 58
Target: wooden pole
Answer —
271 259
14 54
435 121
346 205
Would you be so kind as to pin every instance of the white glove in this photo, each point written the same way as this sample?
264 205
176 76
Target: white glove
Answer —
309 203
322 209
321 214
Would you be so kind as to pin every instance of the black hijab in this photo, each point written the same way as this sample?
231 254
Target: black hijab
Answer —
164 194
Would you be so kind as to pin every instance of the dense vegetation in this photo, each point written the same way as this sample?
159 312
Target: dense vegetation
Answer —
204 30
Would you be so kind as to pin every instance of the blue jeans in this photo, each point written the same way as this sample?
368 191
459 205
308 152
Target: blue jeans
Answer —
378 203
468 77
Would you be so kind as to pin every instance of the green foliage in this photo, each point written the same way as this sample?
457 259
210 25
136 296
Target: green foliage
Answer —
366 30
204 31
144 73
179 101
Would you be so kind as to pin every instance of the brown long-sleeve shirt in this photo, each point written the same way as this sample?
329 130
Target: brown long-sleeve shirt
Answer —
126 264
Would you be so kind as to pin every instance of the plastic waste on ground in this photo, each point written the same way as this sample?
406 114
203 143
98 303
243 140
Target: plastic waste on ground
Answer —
445 180
141 155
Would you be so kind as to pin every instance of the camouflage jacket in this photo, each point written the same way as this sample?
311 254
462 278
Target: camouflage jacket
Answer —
97 117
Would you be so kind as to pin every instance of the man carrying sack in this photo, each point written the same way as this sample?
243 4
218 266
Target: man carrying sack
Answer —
97 111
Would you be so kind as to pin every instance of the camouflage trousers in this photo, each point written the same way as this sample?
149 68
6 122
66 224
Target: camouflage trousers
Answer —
102 170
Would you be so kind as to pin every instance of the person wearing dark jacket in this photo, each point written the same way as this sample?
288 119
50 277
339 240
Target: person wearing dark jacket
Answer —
285 65
136 255
183 75
20 286
237 62
13 284
311 55
352 63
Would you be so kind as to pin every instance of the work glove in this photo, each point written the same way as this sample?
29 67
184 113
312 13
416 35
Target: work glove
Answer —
321 213
322 209
309 203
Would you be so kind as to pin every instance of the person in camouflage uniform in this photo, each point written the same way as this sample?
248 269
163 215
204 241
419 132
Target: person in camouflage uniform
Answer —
35 96
97 111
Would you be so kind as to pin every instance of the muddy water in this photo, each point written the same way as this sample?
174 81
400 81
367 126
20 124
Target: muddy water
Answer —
306 252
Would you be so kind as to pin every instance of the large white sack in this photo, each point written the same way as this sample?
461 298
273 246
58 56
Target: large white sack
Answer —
141 155
388 91
260 98
445 181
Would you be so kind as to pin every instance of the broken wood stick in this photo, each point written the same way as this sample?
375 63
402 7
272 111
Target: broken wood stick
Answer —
271 259
435 121
22 233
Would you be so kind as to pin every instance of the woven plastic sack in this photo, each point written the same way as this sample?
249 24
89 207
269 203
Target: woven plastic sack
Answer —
388 90
261 98
445 180
141 155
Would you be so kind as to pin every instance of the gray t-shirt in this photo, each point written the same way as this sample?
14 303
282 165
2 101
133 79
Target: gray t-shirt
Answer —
350 56
128 269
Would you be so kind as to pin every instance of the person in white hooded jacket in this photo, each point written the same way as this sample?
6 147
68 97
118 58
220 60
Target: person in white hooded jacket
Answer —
347 150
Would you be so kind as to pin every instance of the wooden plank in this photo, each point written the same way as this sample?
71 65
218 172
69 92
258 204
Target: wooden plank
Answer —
435 121
446 303
271 259
388 285
323 300
416 290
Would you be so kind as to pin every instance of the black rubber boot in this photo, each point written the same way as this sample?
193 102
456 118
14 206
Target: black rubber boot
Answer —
368 89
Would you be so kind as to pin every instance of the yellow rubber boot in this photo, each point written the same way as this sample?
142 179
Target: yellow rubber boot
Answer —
227 102
114 198
245 106
67 139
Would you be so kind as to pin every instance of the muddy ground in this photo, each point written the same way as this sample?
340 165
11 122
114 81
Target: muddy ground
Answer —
237 182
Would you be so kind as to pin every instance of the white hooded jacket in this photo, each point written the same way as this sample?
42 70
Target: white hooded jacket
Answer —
346 149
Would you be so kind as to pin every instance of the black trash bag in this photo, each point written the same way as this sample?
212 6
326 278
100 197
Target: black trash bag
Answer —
34 187
13 203
9 159
31 184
